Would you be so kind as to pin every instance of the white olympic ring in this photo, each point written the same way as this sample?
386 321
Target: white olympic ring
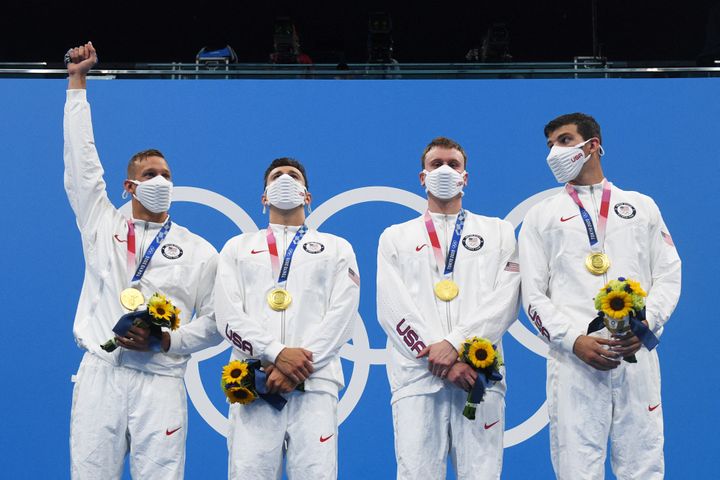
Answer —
359 352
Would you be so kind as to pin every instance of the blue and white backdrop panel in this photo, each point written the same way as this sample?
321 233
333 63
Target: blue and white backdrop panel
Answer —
361 142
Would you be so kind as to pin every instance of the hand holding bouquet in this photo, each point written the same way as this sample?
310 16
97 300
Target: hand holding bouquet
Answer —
160 313
621 309
244 382
484 358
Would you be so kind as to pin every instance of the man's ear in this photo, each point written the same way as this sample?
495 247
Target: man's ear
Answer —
129 187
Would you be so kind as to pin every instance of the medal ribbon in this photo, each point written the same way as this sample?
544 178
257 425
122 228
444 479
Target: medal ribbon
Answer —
449 261
140 271
596 238
282 272
130 246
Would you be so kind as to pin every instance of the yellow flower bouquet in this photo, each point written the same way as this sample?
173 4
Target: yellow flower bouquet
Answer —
621 309
484 358
160 313
238 382
244 381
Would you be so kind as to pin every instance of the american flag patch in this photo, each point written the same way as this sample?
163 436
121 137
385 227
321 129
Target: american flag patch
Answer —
512 267
667 238
354 276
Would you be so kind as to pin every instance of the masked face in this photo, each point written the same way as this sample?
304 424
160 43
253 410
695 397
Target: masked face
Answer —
154 194
444 182
567 162
285 193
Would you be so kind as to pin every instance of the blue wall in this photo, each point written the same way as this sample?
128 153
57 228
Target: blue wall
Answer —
660 137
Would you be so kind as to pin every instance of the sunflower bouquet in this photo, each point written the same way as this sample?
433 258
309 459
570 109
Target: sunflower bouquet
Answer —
160 313
244 382
482 356
621 309
238 382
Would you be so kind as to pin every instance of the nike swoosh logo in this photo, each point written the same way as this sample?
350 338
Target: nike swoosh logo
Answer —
420 247
254 252
491 425
169 432
651 408
325 439
119 239
563 219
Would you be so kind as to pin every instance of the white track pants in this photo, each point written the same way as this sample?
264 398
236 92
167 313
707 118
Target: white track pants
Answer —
305 431
116 410
428 427
587 407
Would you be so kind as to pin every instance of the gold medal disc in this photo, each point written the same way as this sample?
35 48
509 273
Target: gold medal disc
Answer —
279 299
597 263
446 290
131 298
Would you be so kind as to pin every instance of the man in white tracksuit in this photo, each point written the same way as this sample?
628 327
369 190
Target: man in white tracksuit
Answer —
429 394
130 399
297 338
592 393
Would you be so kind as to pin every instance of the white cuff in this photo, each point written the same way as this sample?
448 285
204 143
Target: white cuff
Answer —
568 341
77 94
456 339
175 341
272 351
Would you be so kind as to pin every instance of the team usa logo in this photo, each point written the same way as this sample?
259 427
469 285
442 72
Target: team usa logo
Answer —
238 341
313 247
473 242
625 210
534 317
171 251
409 336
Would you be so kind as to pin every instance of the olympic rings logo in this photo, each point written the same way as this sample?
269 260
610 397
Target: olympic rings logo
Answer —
359 352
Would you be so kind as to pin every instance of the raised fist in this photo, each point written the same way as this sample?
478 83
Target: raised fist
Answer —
82 59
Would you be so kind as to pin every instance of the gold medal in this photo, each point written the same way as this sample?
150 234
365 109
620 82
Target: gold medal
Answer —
597 263
131 298
446 290
279 299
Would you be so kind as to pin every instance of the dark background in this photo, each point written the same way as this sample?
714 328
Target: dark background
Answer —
333 31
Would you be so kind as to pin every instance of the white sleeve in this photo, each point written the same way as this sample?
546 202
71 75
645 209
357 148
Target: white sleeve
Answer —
336 327
201 332
665 267
395 308
555 328
245 333
83 176
500 308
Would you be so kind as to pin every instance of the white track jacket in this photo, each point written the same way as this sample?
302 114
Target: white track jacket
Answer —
182 268
558 291
486 271
324 284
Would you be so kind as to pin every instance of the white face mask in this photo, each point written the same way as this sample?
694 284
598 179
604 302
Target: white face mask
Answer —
154 194
285 193
566 162
444 182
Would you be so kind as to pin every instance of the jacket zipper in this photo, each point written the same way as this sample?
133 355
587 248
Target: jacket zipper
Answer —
447 304
282 313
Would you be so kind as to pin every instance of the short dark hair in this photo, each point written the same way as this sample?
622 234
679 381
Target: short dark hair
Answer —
286 162
587 126
140 157
442 142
